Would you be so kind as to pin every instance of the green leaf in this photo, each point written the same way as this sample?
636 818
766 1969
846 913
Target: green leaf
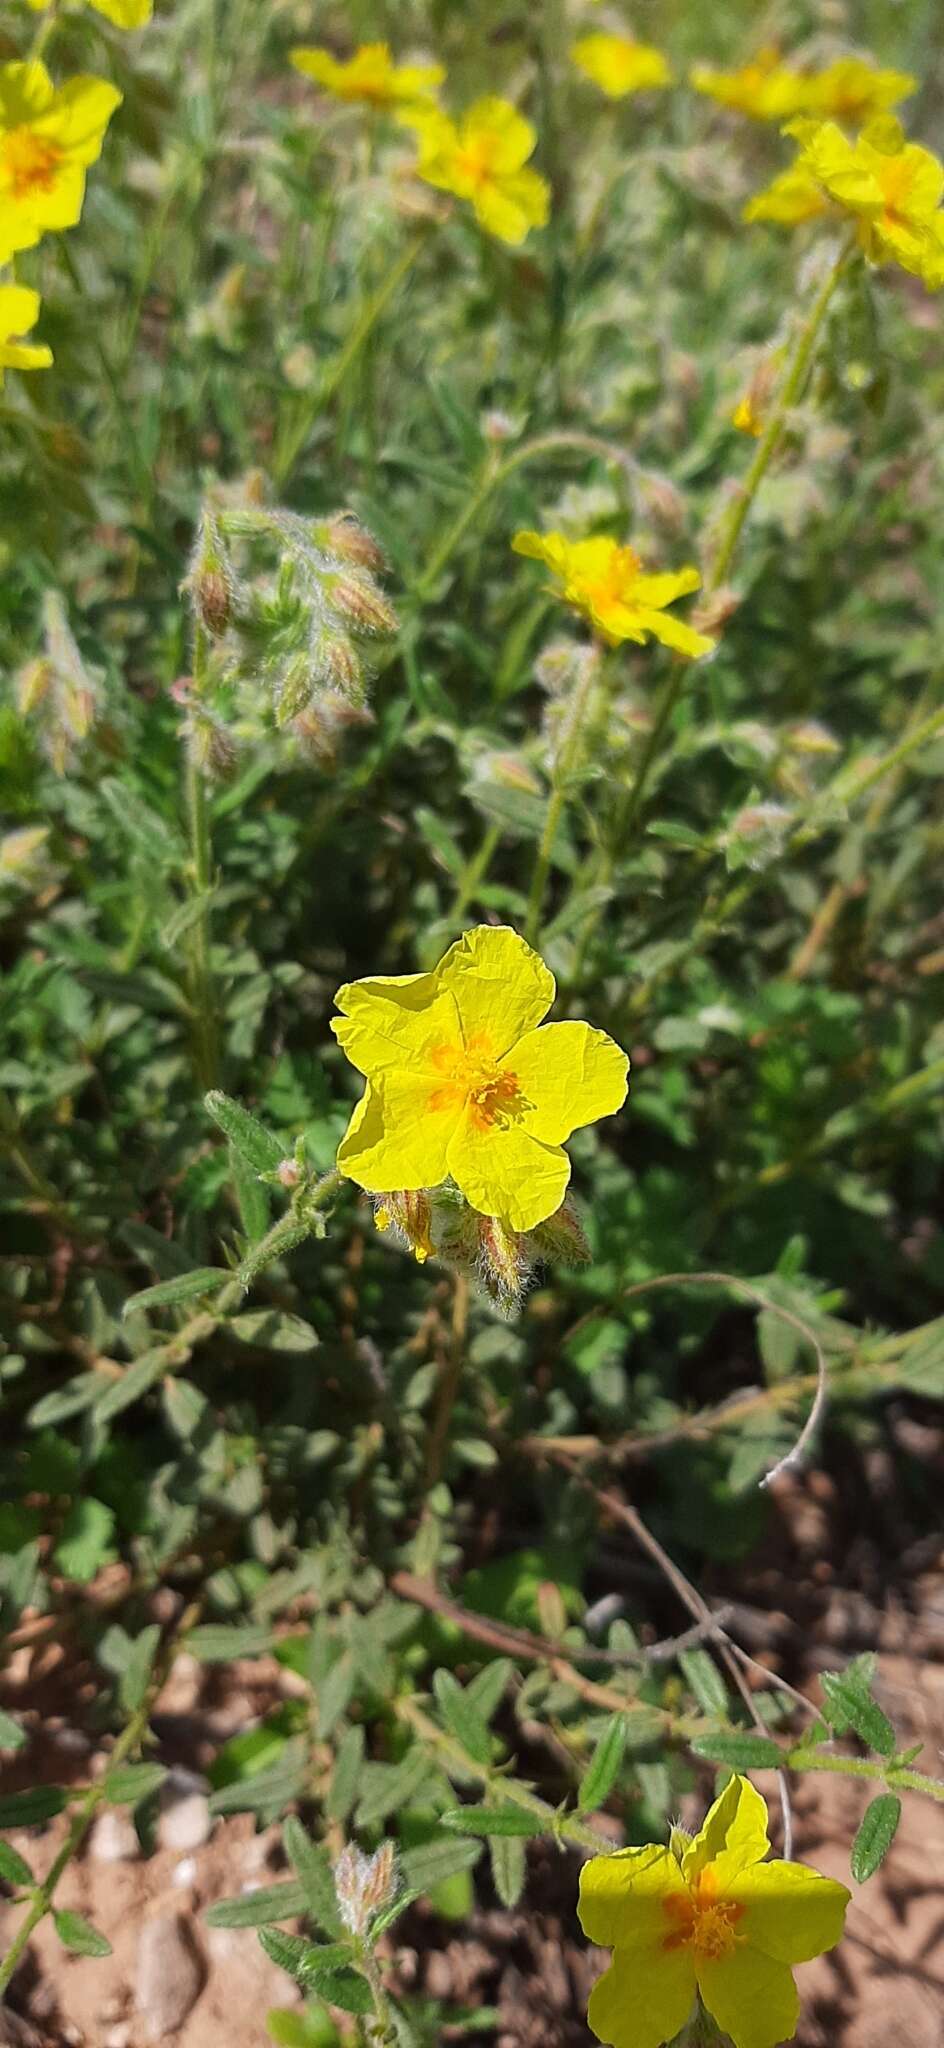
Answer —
12 1736
251 1194
311 2029
320 1969
604 1767
742 1751
494 1820
133 1782
434 1863
462 1717
266 1254
80 1936
486 1690
271 1903
345 1777
848 1703
509 1867
186 1287
13 1868
875 1835
136 1380
26 1809
388 1787
77 1394
271 1330
312 1866
136 1674
216 1643
705 1680
257 1145
84 1544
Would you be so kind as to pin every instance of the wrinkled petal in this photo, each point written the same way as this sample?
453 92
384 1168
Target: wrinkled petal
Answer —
674 633
656 591
316 64
789 200
510 206
790 1912
395 1020
570 1074
502 1171
394 1140
622 1897
509 136
838 166
501 987
735 1827
125 13
752 1997
642 2001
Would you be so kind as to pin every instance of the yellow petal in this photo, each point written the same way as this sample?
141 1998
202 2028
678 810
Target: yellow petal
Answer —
502 1171
500 985
25 92
394 1020
125 13
19 309
620 66
656 591
790 1912
752 1997
510 206
570 1075
790 200
642 2002
839 167
316 64
79 116
735 1826
622 1897
675 634
509 137
15 355
394 1140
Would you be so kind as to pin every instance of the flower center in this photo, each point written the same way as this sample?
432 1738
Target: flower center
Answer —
702 1921
476 160
614 584
475 1081
30 162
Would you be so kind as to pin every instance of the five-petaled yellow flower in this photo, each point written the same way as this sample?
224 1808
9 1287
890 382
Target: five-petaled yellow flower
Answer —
790 199
371 76
484 158
19 311
608 585
619 65
710 1916
48 137
890 187
770 91
123 13
463 1085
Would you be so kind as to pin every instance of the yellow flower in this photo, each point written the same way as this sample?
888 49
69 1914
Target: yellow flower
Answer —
891 187
48 137
790 200
461 1083
19 311
746 417
607 584
483 158
619 65
124 13
371 76
706 1915
765 88
854 90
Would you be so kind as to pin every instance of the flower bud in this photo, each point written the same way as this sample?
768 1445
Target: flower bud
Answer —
408 1214
210 744
364 1884
504 1265
561 1238
360 603
812 738
293 689
288 1173
344 537
21 854
338 665
32 685
714 611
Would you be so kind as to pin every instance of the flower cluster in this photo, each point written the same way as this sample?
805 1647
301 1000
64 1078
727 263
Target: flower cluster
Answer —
466 1085
850 89
49 135
708 1919
890 188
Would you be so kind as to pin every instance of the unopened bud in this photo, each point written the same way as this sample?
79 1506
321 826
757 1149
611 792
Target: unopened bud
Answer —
504 1264
344 536
211 744
715 610
499 426
661 500
213 601
293 690
338 665
511 771
408 1213
360 603
561 1238
32 685
288 1173
21 852
812 738
556 665
364 1884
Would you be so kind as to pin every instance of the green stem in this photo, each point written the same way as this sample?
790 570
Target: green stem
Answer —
565 766
474 872
45 30
200 876
448 1385
371 309
882 1772
128 1741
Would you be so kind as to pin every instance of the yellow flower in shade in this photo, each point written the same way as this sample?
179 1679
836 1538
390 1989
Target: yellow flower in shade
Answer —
607 584
371 76
124 13
19 311
462 1085
853 90
710 1916
790 200
484 158
619 65
746 417
765 88
48 137
890 187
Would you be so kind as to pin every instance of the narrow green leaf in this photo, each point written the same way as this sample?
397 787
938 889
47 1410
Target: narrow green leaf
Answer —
434 1863
388 1787
271 1903
13 1868
80 1936
216 1643
345 1777
12 1736
509 1867
136 1672
462 1718
485 1691
251 1194
321 1969
272 1330
135 1381
312 1866
25 1809
133 1782
77 1394
85 1540
257 1145
743 1752
186 1287
603 1769
849 1704
875 1835
494 1820
704 1678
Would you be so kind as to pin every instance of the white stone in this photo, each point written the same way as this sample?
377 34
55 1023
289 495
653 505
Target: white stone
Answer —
169 1976
113 1838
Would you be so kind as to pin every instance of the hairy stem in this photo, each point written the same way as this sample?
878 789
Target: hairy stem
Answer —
566 763
448 1385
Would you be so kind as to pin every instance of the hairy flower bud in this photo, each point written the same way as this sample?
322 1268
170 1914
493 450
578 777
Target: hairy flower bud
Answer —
21 854
32 685
364 1884
210 581
344 537
293 689
360 603
408 1214
210 743
562 1238
505 1263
